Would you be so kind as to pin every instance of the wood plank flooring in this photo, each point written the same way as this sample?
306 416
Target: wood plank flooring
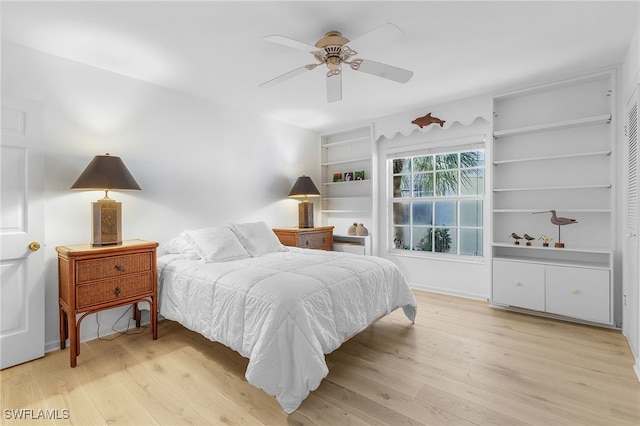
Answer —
461 363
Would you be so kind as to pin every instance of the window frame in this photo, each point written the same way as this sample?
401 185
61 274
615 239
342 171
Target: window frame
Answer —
434 199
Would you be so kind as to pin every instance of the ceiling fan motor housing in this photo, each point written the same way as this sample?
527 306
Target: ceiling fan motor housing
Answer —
332 38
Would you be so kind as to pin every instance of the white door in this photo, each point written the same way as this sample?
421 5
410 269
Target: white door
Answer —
21 224
631 278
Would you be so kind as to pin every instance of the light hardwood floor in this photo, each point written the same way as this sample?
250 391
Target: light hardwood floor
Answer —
461 363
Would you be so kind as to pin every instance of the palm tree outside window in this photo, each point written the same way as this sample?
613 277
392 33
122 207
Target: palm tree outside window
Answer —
437 202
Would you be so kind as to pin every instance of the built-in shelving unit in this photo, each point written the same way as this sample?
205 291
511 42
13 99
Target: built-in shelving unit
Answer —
553 149
348 200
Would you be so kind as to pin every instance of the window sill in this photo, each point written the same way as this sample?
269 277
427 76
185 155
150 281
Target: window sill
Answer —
478 260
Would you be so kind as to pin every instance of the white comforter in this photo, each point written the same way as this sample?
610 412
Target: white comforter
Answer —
283 310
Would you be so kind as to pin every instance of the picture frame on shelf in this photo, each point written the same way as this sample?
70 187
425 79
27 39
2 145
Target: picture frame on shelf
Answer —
337 177
348 176
358 175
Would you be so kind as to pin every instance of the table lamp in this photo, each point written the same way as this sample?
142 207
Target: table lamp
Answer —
106 172
304 188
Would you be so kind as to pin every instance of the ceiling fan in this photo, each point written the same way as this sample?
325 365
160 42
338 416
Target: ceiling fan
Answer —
332 51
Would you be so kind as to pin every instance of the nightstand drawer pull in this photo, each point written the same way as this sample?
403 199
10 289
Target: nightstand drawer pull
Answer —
307 243
117 291
120 268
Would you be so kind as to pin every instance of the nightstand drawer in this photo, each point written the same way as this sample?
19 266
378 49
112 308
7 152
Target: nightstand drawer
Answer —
321 241
114 266
106 291
319 238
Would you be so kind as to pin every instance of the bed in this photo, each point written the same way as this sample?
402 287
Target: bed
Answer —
281 307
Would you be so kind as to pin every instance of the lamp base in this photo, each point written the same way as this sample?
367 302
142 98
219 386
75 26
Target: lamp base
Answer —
305 215
107 224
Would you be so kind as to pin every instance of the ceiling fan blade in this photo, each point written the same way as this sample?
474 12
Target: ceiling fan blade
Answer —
283 77
383 33
334 87
289 42
385 71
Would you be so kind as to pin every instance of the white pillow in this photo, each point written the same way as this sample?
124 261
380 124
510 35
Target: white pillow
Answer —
257 238
182 246
216 244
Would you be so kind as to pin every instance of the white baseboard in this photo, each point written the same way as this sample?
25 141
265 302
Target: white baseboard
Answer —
449 292
636 368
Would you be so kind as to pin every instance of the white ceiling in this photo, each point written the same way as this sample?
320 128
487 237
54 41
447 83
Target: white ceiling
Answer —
215 50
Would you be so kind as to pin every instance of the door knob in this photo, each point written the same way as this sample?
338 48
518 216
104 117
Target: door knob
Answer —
34 246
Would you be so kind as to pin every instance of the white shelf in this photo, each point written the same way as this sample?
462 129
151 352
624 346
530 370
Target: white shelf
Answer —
554 157
554 188
559 262
346 142
346 182
594 250
600 119
364 197
346 211
352 160
547 209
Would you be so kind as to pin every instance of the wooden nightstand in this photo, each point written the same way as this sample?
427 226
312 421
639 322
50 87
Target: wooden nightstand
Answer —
320 237
91 279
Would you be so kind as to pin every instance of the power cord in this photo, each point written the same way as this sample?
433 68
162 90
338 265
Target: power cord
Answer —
119 332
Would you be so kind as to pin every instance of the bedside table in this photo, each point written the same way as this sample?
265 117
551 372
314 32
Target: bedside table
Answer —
92 279
320 237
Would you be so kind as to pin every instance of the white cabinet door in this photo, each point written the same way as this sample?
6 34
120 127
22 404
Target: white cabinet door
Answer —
578 292
518 284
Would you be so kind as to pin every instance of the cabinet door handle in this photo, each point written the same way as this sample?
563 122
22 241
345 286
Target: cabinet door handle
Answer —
117 291
120 268
324 240
307 243
575 291
518 283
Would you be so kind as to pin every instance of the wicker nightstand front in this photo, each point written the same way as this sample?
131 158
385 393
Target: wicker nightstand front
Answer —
91 279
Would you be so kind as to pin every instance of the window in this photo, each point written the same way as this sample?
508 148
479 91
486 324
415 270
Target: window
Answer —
437 202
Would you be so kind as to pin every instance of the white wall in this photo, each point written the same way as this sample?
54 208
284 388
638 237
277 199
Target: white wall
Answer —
198 163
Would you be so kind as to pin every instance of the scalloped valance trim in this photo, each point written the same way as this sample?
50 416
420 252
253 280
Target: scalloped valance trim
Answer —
428 129
465 113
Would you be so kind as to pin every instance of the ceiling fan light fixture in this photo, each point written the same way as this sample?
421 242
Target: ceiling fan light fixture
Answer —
333 63
355 64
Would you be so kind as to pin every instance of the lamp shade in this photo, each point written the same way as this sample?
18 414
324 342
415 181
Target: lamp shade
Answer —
106 172
304 187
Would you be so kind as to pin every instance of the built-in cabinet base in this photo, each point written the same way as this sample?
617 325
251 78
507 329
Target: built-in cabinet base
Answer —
578 293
